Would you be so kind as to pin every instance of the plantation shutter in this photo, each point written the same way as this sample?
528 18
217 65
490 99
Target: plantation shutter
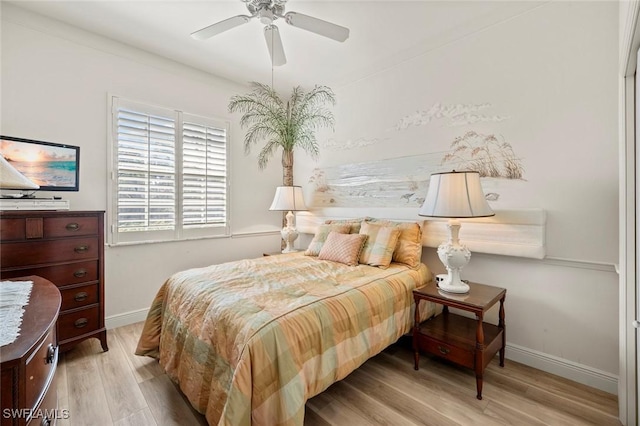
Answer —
146 162
204 174
168 175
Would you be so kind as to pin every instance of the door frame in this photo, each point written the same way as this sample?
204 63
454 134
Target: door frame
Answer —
628 211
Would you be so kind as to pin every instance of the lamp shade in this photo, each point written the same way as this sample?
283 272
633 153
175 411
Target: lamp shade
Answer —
455 195
288 198
10 178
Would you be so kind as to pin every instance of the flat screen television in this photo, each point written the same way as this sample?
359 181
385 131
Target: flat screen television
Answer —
53 166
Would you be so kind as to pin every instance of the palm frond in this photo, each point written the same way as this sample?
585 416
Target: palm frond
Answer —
267 152
256 133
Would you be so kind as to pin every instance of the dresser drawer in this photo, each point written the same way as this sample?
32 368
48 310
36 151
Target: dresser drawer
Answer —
12 229
76 323
47 412
60 275
55 227
41 252
40 369
78 297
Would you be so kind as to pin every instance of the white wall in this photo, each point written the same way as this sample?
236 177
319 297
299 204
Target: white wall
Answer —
55 81
553 72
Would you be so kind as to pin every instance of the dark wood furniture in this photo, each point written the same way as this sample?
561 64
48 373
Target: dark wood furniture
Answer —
29 363
464 341
67 248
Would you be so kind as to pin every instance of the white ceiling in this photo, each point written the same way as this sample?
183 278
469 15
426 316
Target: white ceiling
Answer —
383 33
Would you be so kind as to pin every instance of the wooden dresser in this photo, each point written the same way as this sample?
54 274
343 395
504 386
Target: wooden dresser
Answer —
67 248
29 363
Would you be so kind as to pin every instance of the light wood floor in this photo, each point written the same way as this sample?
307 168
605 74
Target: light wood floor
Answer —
119 388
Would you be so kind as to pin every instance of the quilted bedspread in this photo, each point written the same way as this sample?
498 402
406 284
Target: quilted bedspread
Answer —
249 342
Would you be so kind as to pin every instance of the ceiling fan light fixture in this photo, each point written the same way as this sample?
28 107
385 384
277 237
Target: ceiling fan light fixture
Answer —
266 16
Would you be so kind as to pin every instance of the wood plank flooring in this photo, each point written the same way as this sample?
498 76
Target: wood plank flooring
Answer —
119 388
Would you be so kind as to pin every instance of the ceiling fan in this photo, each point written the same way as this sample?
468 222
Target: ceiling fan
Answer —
268 11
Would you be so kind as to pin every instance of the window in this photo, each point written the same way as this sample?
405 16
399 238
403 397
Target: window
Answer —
168 175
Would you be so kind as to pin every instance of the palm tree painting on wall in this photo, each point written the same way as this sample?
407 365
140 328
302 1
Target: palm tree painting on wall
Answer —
281 124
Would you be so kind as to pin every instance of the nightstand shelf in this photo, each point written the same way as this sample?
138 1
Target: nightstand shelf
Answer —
468 342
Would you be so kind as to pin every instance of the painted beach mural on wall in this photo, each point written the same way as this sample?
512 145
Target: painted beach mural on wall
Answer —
403 181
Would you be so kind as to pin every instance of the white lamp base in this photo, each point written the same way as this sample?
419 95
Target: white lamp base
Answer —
289 234
454 256
459 288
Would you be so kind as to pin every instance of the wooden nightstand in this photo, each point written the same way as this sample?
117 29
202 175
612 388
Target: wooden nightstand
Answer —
464 341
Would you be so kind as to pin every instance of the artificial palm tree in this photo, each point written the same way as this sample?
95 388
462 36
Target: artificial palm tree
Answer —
281 124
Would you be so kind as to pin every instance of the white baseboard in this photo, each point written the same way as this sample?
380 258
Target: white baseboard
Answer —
126 318
551 364
564 368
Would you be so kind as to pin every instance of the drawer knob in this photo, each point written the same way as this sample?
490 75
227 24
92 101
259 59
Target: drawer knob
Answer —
81 296
443 351
72 226
81 249
82 322
51 354
80 273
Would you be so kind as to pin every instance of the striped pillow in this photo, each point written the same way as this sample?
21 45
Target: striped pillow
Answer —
409 247
321 236
381 242
343 248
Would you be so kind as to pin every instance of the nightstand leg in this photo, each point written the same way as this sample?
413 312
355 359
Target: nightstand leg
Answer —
416 325
479 354
479 385
504 331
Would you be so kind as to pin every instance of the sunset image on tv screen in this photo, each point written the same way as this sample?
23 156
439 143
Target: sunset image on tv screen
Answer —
44 165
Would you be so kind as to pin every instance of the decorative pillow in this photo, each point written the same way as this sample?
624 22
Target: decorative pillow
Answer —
321 236
354 223
409 247
381 242
343 248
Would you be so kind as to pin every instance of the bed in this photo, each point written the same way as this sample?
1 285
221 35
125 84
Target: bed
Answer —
248 342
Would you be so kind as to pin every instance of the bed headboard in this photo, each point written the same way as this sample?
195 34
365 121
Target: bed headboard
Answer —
518 233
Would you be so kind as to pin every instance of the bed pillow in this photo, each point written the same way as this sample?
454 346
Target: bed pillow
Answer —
321 236
381 242
409 248
343 248
354 223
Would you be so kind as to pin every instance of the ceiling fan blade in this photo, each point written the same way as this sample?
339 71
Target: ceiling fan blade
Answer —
318 26
274 44
219 27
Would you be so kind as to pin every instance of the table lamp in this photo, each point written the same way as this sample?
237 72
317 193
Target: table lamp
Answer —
455 195
10 178
289 199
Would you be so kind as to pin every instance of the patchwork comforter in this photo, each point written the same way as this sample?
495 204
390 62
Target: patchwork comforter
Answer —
249 342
